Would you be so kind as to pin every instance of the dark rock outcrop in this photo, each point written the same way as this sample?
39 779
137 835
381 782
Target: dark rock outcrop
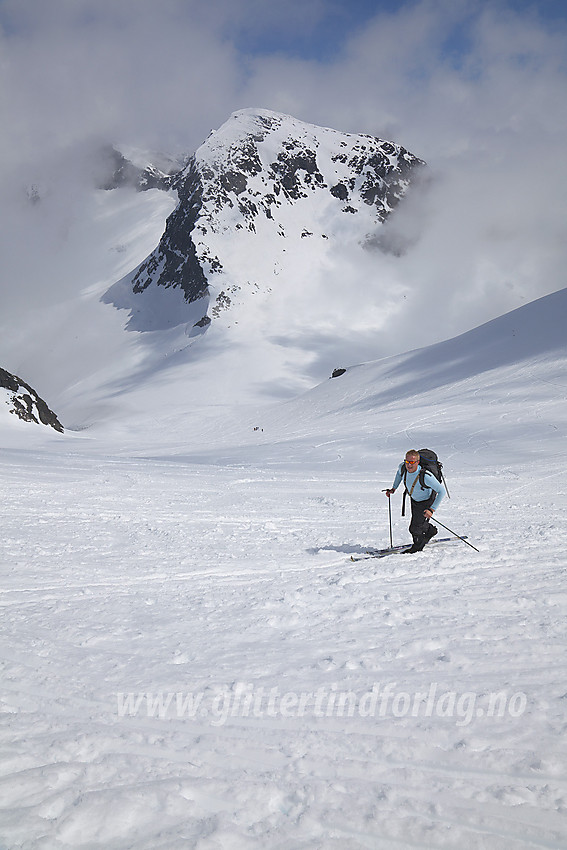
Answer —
175 262
25 403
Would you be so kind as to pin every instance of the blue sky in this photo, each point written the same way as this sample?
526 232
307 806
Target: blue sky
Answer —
337 20
323 38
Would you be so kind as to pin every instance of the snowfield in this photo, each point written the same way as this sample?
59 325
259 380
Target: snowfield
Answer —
190 659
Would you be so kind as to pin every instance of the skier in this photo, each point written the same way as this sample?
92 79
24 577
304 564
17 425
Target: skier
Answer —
424 499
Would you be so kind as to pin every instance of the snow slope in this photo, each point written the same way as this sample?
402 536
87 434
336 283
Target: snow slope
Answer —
190 659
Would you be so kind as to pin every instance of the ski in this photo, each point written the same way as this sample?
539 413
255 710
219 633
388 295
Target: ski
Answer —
396 550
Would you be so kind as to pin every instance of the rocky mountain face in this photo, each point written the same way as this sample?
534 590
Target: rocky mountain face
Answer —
264 198
24 402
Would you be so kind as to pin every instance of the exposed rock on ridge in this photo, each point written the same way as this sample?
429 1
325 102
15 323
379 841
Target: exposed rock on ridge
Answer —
25 403
175 261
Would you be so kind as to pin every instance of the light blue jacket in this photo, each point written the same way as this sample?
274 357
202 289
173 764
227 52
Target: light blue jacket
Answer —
420 494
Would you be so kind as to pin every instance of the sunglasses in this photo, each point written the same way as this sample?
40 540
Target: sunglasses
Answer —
410 462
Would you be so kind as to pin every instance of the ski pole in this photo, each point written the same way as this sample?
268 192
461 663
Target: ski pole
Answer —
434 519
390 518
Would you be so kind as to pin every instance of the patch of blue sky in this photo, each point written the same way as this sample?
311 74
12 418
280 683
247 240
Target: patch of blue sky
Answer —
547 10
459 45
324 38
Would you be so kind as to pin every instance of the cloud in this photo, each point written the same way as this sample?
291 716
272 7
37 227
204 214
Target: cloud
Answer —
158 74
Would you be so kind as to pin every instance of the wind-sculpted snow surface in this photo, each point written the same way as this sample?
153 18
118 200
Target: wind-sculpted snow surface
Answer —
190 658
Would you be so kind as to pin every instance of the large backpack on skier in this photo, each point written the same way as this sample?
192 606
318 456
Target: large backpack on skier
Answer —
429 462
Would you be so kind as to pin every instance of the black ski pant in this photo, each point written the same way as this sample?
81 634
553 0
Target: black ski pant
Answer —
419 524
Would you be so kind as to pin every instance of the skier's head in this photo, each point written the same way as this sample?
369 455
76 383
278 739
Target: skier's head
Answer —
412 458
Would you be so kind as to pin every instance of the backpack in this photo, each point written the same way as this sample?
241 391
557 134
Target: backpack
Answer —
429 462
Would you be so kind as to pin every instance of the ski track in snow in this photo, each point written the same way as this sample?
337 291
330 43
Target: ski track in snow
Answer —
143 577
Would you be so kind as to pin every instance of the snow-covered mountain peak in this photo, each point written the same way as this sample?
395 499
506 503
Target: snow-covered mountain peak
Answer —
262 203
269 132
265 154
260 128
243 125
